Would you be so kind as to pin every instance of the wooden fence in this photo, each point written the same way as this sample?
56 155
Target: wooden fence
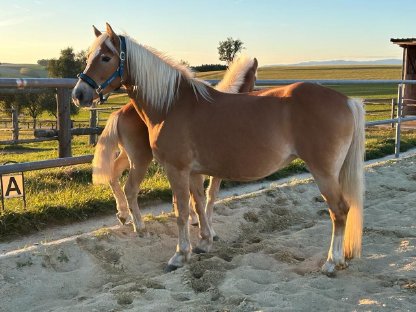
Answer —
63 131
63 88
63 125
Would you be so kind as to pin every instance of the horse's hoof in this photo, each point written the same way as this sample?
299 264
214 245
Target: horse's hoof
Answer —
140 231
216 238
329 269
170 268
198 250
122 220
342 266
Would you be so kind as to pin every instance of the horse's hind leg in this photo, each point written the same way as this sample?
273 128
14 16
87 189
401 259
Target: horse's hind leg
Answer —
131 189
193 217
120 164
212 193
196 186
338 210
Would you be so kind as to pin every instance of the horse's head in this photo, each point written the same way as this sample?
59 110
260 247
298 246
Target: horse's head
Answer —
105 68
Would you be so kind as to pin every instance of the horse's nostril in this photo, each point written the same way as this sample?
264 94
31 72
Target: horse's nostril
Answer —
79 95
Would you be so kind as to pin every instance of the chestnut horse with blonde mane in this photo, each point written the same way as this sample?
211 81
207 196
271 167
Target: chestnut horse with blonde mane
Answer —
195 129
126 130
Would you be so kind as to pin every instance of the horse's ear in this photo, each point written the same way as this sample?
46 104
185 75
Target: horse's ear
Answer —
255 63
96 31
113 36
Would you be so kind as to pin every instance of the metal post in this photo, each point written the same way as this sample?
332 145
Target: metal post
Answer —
393 104
2 198
15 125
93 124
64 122
24 192
399 121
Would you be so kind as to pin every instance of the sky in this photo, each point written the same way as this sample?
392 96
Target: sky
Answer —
273 31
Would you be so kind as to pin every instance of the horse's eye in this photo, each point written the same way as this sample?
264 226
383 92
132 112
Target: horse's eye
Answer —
105 58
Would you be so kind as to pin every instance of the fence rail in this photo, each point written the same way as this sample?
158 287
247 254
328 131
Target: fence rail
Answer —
45 164
280 82
64 131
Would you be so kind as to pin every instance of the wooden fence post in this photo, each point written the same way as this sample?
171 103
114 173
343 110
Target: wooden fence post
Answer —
93 124
64 122
15 125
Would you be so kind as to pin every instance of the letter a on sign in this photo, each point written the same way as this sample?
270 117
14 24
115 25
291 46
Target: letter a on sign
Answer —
12 185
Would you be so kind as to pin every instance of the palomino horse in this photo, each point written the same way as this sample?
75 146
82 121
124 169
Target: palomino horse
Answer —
195 129
126 130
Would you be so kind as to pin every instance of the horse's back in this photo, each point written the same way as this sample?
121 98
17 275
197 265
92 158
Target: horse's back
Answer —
265 129
321 123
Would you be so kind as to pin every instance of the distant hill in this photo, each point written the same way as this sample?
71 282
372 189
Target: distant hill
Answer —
382 62
344 62
22 71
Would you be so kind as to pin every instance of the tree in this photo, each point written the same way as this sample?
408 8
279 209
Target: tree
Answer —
185 63
7 101
209 67
47 101
43 62
68 65
32 104
229 48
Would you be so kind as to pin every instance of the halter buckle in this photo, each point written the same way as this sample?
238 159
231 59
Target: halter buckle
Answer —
122 56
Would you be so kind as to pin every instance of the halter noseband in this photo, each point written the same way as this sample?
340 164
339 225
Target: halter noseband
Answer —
118 73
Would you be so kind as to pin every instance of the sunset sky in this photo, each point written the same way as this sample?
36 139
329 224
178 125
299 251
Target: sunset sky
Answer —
274 31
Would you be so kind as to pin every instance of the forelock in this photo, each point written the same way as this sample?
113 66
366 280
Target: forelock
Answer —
95 49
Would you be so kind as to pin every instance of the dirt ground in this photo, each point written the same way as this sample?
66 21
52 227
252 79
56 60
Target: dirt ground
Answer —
273 242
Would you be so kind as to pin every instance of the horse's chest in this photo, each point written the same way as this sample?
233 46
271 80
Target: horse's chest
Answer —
168 146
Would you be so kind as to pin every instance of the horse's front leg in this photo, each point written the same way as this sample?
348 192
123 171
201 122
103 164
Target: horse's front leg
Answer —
197 199
179 182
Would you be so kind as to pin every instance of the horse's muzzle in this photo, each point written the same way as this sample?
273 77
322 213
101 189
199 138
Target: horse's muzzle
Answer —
82 94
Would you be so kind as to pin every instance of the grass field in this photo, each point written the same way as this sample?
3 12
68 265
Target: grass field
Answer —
319 72
22 71
64 195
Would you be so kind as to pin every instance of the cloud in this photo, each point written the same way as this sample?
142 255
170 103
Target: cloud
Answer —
12 22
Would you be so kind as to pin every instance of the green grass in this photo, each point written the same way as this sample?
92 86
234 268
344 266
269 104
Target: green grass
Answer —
65 195
330 72
23 71
319 72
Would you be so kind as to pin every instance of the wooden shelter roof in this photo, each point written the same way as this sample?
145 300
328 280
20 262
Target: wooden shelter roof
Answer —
404 41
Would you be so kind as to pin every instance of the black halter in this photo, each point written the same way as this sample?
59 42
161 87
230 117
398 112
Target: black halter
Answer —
118 73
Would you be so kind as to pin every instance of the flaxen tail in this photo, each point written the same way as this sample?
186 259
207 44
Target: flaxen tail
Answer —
106 151
352 183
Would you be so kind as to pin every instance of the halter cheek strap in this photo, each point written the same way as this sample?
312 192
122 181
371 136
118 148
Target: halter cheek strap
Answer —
118 73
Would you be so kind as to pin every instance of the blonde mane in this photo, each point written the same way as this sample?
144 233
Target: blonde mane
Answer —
234 76
158 77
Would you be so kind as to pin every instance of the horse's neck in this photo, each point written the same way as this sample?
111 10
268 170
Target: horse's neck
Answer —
153 116
148 114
